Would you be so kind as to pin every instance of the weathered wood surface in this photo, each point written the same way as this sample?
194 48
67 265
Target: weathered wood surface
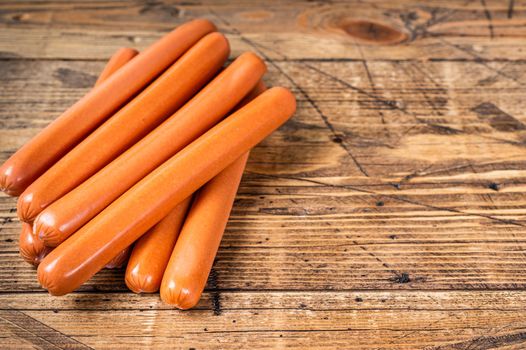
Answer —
388 213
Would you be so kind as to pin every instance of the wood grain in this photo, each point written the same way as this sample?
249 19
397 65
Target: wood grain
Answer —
387 214
390 320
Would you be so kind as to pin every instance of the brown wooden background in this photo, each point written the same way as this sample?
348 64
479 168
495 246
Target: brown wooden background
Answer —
389 213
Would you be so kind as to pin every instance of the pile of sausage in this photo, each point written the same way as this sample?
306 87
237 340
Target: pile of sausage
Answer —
143 169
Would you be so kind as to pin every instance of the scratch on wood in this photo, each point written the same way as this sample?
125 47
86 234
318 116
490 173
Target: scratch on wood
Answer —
336 135
214 291
510 8
488 17
427 75
481 61
421 30
38 333
397 274
394 197
373 86
423 172
325 119
393 105
422 91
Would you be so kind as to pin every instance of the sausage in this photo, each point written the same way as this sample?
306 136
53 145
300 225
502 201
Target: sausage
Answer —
32 249
71 212
119 58
119 260
126 127
151 252
47 147
83 254
191 261
158 101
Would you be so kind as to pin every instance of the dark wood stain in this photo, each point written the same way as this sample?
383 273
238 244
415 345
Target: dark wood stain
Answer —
74 79
497 118
373 32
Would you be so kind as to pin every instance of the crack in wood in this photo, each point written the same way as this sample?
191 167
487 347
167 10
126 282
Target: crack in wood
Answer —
324 118
488 17
437 112
479 60
419 120
373 88
510 8
214 291
394 197
397 274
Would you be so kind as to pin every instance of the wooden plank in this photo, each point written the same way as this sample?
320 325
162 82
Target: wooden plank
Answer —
360 206
400 113
357 320
335 30
387 214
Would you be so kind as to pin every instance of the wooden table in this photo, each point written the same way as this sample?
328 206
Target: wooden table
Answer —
388 213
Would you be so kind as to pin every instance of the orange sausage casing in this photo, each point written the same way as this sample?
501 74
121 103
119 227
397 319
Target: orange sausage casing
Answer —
32 249
191 261
47 147
83 254
152 251
162 98
187 271
69 213
119 260
117 60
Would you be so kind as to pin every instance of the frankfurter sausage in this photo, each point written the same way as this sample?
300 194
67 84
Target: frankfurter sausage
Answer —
119 260
82 255
152 251
32 249
47 147
191 261
158 101
213 102
119 58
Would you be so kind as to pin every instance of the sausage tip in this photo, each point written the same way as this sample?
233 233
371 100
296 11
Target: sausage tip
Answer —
44 229
32 256
140 282
45 277
7 184
27 207
223 40
286 98
178 295
205 23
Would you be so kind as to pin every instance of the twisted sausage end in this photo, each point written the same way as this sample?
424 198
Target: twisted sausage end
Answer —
178 295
